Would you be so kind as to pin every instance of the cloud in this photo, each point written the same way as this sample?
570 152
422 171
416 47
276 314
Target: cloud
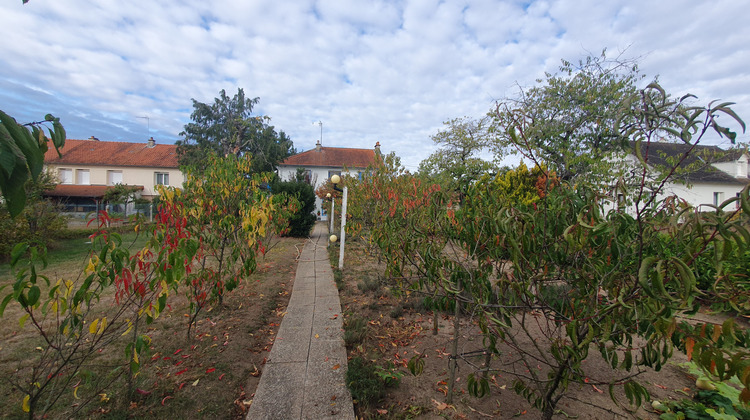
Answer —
388 71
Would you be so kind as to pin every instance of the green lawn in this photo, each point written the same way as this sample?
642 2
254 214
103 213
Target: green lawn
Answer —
65 256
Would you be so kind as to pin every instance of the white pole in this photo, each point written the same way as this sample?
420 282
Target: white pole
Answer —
330 222
343 229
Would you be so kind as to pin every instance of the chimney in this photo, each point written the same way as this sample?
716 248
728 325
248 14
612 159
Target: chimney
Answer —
377 148
92 138
151 143
318 146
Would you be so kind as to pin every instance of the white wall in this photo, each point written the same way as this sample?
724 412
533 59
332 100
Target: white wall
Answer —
130 176
319 176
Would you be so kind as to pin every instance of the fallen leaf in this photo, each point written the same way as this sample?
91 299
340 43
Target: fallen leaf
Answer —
196 382
209 370
336 366
382 411
317 336
441 406
165 399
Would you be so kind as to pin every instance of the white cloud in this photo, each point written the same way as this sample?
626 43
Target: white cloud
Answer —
388 71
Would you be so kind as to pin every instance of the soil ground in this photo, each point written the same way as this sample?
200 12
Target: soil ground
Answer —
212 375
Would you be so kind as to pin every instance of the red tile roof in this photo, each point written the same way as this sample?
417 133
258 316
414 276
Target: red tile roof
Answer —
91 191
338 157
114 153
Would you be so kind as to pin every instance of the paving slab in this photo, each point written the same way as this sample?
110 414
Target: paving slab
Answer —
305 373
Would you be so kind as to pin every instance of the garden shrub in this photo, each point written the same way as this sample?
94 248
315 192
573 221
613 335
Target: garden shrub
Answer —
301 222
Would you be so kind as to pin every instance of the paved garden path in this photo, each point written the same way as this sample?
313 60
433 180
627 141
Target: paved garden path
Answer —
304 376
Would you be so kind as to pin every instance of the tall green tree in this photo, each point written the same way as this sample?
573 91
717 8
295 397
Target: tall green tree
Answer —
228 127
458 160
568 120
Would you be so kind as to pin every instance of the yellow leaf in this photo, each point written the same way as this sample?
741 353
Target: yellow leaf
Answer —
130 327
102 325
75 393
93 325
196 382
317 336
25 406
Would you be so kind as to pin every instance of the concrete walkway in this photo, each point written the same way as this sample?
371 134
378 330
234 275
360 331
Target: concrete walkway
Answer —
305 374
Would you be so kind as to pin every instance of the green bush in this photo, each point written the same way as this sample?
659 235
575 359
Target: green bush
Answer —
301 223
366 386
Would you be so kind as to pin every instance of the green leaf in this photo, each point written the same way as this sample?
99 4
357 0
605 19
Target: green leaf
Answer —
18 251
5 303
33 295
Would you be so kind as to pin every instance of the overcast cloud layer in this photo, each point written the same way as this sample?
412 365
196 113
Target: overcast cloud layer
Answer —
388 71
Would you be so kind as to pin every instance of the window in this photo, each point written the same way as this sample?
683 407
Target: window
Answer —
308 176
162 178
65 175
83 177
718 198
114 177
332 173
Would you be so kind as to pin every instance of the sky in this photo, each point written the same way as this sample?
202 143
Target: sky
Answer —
369 71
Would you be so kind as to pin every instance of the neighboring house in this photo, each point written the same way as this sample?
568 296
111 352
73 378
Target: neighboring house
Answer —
320 163
88 168
708 176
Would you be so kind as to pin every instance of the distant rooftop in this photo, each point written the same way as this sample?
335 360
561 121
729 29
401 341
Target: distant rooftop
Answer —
336 157
114 153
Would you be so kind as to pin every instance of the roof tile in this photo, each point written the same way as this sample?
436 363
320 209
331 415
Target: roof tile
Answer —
333 157
113 153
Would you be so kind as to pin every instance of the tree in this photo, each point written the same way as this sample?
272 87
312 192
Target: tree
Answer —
457 162
22 155
228 127
568 120
301 221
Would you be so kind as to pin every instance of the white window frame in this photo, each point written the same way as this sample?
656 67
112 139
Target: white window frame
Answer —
68 180
111 181
83 177
163 176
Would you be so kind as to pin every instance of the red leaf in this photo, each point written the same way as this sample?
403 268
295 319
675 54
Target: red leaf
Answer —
142 392
177 351
222 376
181 372
165 398
209 370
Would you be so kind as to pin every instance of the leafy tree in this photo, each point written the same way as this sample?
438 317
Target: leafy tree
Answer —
121 194
38 224
568 120
228 127
22 155
554 281
457 161
521 185
301 221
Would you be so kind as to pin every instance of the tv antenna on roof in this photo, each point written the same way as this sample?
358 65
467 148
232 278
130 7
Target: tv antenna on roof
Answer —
320 123
148 125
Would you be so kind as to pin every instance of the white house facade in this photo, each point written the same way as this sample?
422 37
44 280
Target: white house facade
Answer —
320 163
88 168
707 177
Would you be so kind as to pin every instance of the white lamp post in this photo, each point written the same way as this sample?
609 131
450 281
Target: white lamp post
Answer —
333 204
336 180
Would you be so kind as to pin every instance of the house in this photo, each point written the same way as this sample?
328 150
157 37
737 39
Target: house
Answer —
88 168
708 175
321 163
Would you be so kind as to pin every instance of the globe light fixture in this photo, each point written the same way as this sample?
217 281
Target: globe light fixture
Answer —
333 238
335 179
